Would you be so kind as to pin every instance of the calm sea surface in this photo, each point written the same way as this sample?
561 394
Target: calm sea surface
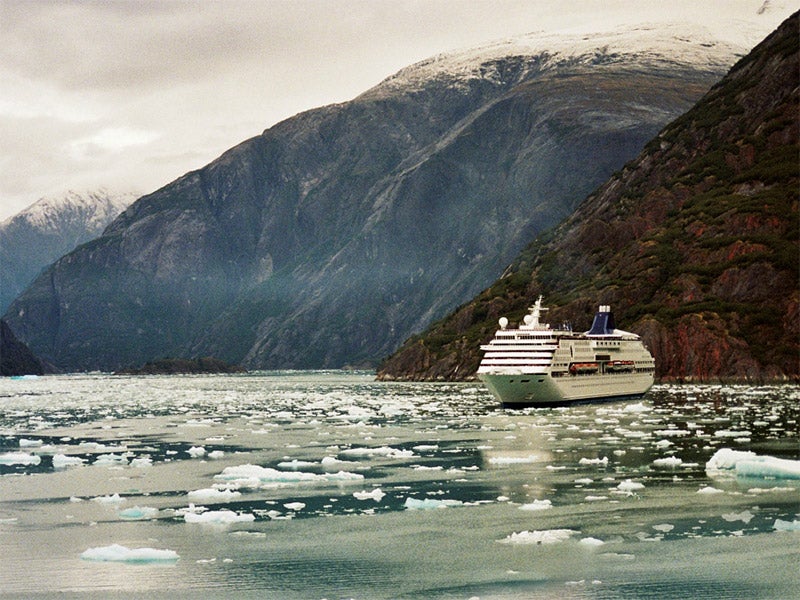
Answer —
296 485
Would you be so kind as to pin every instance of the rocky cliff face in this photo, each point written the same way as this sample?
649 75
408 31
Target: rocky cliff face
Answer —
694 243
330 238
47 230
15 357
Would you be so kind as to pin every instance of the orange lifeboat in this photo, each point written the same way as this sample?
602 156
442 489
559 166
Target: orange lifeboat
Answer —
583 368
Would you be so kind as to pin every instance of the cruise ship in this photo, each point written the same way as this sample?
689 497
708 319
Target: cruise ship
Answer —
536 365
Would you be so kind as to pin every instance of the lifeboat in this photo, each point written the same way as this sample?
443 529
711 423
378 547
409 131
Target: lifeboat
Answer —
620 365
583 368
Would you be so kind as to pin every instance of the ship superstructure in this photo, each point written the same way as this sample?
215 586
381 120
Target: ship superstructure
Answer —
538 365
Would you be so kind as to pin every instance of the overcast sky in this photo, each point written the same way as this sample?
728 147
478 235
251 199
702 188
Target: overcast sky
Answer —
131 94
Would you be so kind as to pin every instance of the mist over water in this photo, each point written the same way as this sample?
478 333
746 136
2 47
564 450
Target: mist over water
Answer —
331 485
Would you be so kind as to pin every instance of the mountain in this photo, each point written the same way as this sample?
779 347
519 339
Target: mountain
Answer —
15 357
694 243
48 229
331 237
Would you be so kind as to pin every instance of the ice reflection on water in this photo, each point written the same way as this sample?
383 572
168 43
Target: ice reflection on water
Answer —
346 468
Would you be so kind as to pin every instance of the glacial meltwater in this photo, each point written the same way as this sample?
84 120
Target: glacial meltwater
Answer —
300 485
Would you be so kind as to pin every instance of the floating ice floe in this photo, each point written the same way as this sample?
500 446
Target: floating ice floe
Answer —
108 460
547 536
537 505
138 513
671 462
253 476
113 499
737 463
430 503
708 490
744 516
781 525
142 462
196 452
26 443
377 495
117 553
594 461
513 460
19 458
630 486
386 451
213 495
218 517
295 506
590 541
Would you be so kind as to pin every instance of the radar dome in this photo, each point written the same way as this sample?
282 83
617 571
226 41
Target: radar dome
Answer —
528 319
503 322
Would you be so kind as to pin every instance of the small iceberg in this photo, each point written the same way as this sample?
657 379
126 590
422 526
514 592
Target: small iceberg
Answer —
737 463
547 536
537 505
377 495
62 461
430 503
138 513
117 553
213 495
218 517
19 458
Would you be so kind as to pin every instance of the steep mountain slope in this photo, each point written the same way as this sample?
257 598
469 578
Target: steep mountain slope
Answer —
694 243
15 357
334 235
48 229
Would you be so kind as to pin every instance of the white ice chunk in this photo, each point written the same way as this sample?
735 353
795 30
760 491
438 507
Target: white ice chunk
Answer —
736 463
216 454
594 461
708 490
62 461
138 513
537 505
19 458
630 486
218 517
117 553
671 462
429 503
213 495
296 464
781 525
196 451
744 516
547 536
590 541
377 495
664 527
639 407
26 443
513 460
142 462
255 475
108 460
295 506
386 451
113 499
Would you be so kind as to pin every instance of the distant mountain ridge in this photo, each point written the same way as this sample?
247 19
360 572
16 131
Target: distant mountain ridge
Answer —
334 235
34 238
695 244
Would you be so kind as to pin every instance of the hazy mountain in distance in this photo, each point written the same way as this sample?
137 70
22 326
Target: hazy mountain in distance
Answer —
48 229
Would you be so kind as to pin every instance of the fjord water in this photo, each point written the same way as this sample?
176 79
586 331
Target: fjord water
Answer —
331 485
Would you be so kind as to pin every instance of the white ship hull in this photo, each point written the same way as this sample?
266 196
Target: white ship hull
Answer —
517 391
